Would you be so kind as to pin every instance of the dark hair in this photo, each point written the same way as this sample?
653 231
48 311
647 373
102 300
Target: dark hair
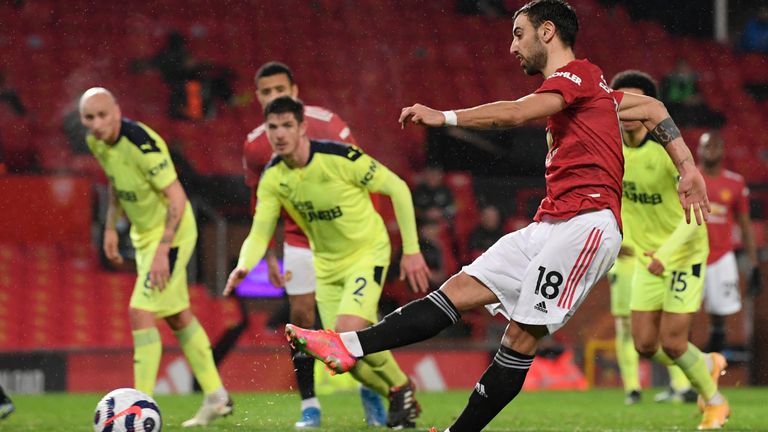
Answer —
285 104
557 11
636 79
274 68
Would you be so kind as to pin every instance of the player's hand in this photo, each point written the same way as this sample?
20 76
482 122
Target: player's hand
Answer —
160 271
276 277
755 283
110 246
693 194
414 268
655 266
237 276
423 115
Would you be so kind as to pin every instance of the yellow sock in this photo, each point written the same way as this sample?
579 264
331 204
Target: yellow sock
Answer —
326 384
663 358
197 349
694 366
627 357
147 350
677 379
385 365
367 375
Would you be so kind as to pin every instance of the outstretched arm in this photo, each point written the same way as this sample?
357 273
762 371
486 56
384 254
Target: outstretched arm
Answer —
255 245
502 114
654 116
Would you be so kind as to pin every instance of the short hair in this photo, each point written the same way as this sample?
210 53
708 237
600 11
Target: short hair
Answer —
636 79
274 68
286 104
557 11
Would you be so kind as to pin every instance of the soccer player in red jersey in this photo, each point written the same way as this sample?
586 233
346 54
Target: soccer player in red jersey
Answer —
537 276
273 80
730 203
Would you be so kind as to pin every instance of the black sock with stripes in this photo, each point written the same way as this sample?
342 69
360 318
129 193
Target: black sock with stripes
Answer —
304 367
418 320
500 383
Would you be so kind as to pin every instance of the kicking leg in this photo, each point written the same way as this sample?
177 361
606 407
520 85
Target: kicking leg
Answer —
503 379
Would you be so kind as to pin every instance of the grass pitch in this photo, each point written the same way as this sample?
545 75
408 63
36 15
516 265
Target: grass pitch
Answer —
594 410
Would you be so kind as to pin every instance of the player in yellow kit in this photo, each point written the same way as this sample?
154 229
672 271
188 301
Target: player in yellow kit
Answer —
671 258
143 184
621 275
324 186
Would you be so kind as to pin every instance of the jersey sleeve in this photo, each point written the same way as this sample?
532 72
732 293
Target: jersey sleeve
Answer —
155 161
676 240
339 129
324 124
742 203
263 226
570 82
257 153
369 173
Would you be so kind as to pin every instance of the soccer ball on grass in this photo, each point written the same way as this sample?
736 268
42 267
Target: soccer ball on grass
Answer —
125 410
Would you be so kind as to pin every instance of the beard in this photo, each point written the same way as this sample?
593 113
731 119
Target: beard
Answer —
536 62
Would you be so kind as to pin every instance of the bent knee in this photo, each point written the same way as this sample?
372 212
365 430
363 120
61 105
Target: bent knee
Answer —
646 349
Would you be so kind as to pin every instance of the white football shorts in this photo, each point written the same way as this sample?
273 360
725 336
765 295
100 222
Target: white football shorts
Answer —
299 270
543 272
721 286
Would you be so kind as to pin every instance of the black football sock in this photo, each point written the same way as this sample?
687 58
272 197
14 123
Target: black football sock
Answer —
418 320
500 383
716 333
304 366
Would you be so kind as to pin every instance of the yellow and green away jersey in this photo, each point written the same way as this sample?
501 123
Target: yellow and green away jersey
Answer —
653 217
139 167
329 199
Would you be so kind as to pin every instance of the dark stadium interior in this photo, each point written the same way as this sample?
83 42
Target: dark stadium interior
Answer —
364 58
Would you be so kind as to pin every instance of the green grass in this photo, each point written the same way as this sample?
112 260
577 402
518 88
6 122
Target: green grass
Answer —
595 410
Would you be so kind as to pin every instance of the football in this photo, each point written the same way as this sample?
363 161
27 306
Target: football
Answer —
127 409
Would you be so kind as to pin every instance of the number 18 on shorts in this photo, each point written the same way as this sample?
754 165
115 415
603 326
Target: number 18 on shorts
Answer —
543 272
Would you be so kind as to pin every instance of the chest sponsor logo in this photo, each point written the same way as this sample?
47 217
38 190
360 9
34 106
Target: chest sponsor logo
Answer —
631 193
308 212
126 195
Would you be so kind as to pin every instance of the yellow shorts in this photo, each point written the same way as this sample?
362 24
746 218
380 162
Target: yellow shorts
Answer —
678 290
175 297
356 292
620 277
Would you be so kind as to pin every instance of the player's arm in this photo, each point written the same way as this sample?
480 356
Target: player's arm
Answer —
754 283
682 233
160 271
654 116
262 228
377 178
111 239
502 114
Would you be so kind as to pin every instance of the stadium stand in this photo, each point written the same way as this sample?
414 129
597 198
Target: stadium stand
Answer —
385 55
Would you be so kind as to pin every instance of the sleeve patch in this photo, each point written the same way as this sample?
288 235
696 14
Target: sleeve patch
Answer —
139 137
318 113
350 152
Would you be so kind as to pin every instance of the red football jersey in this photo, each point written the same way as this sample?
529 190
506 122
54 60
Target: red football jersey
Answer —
728 197
585 164
257 152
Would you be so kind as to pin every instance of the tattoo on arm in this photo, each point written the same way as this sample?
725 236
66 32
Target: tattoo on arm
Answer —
171 224
666 131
